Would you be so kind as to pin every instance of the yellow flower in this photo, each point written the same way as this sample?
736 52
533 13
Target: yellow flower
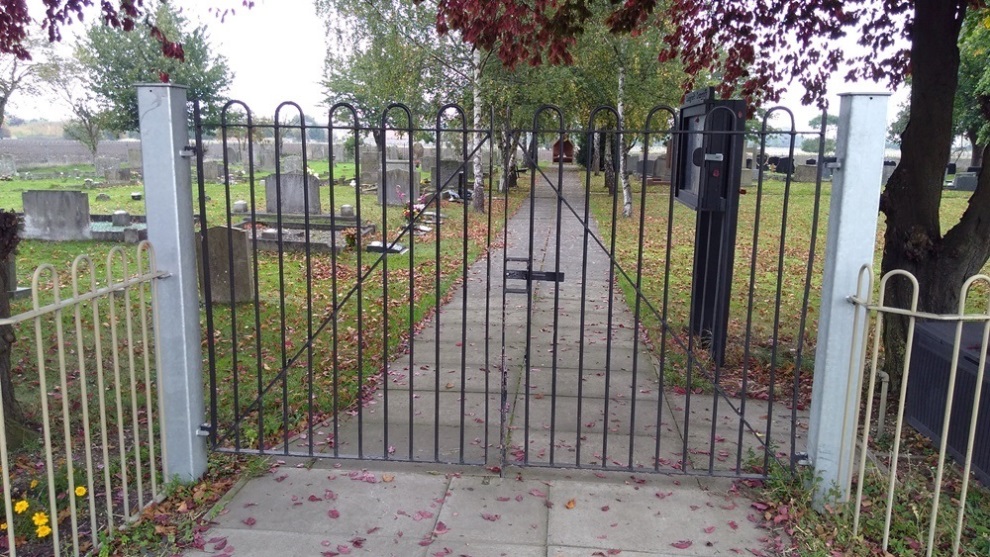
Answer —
80 491
43 530
34 484
40 519
21 506
3 526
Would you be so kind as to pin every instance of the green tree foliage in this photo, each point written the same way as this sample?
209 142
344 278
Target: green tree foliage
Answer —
116 60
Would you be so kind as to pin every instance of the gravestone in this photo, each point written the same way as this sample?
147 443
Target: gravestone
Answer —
392 153
785 165
134 157
228 284
806 173
370 164
632 163
292 163
7 166
950 168
121 218
293 191
974 169
965 181
661 169
448 175
347 210
418 151
233 155
396 181
265 157
103 197
646 166
240 206
56 215
212 170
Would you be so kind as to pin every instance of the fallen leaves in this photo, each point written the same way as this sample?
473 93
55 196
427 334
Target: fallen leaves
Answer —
570 504
682 544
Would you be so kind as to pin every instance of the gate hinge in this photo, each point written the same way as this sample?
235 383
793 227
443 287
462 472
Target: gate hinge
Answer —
801 459
204 430
188 151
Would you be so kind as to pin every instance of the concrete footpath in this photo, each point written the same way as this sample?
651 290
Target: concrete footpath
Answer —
574 396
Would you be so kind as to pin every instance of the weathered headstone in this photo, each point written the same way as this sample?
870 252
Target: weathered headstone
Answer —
400 187
212 170
240 206
965 181
785 165
644 166
56 215
7 165
134 157
418 151
121 218
292 163
370 166
228 283
347 210
632 162
265 157
292 187
806 173
448 175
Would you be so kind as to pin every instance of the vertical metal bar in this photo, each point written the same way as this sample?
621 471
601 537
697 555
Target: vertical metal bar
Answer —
464 277
207 276
310 398
638 304
438 185
132 383
617 149
231 284
259 356
584 295
798 358
503 372
147 349
385 305
488 276
412 305
529 300
284 373
67 431
83 385
360 290
8 505
43 389
747 343
556 293
664 324
114 341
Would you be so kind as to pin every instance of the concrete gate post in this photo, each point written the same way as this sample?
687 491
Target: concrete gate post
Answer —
850 244
168 195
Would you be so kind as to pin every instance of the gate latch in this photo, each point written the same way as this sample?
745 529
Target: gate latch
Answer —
528 275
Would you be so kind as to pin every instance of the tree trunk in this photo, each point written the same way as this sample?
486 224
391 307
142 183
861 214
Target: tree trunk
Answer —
911 200
610 154
507 152
976 158
596 154
478 196
623 175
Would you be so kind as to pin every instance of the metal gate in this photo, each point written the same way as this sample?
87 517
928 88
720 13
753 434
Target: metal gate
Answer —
394 310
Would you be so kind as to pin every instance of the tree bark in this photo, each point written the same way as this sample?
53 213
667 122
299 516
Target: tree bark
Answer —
478 196
913 240
976 158
610 154
623 174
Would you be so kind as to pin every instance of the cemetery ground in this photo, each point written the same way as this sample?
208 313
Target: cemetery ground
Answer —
785 501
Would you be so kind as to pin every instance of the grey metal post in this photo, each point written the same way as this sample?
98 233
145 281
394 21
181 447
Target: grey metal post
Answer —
168 198
850 244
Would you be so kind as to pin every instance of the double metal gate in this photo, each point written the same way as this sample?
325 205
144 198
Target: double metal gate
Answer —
407 314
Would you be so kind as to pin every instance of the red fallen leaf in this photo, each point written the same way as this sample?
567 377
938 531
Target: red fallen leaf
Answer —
372 530
330 495
733 525
281 478
329 554
490 517
314 498
502 499
760 506
709 529
358 542
519 498
220 545
537 493
333 513
614 551
426 541
443 552
250 521
344 550
683 544
441 528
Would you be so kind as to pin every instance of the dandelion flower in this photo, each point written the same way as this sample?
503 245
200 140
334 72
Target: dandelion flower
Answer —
3 526
80 491
40 519
21 506
34 484
43 530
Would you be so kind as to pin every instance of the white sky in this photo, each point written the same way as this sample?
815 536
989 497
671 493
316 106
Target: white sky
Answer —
276 52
